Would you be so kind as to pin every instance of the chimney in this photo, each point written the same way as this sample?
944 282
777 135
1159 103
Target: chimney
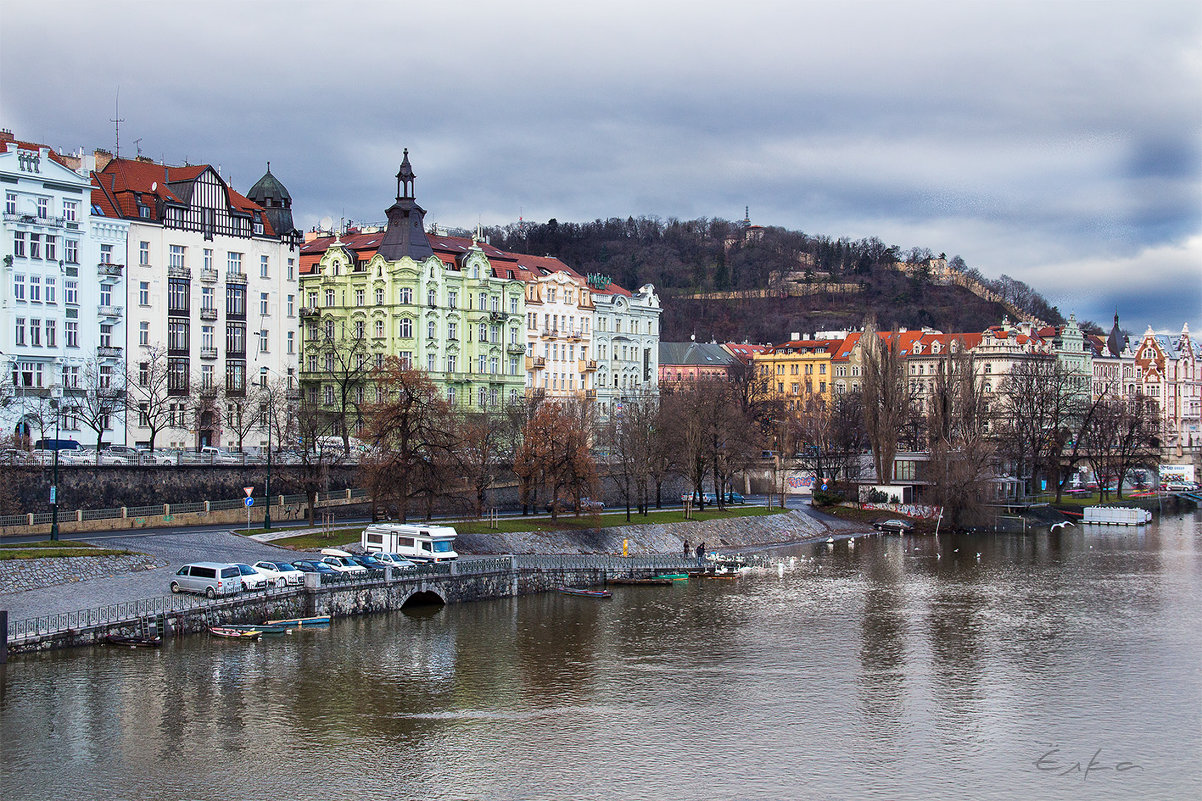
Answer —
794 336
103 157
6 136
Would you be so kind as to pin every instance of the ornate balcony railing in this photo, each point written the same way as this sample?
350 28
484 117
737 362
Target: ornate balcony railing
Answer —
110 311
105 270
208 314
179 272
208 276
109 352
535 362
235 278
208 353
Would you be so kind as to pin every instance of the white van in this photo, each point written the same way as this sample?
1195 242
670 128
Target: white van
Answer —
418 543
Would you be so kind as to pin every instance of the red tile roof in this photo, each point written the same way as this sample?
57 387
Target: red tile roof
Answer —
35 147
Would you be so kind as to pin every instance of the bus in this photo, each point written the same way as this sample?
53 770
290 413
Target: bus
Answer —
416 543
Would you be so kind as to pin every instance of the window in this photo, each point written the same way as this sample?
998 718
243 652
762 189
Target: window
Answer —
206 337
19 243
452 331
143 293
177 296
431 298
19 287
233 263
483 397
359 296
72 330
35 246
406 295
235 376
177 336
482 363
51 334
235 301
208 258
71 251
176 256
431 362
453 299
379 329
43 208
263 272
144 253
451 395
291 305
263 303
106 295
291 269
51 248
143 333
206 376
430 329
328 397
263 341
452 364
70 210
291 341
329 298
19 337
406 331
10 203
483 332
360 329
235 339
27 374
406 357
513 305
379 296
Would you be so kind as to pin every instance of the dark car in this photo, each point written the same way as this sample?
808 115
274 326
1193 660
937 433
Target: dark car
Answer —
368 561
311 566
894 525
734 497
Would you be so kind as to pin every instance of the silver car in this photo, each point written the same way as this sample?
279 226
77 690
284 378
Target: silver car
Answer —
210 578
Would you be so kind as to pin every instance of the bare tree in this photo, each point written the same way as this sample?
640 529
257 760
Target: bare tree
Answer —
555 455
1123 436
101 398
345 366
887 397
480 446
246 411
410 432
150 394
962 462
317 452
1035 403
632 435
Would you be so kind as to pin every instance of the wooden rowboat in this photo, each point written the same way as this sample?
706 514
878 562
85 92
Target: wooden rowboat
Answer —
225 631
262 628
301 622
674 576
584 593
659 582
134 642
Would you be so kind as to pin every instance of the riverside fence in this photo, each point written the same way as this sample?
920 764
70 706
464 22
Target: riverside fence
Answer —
454 581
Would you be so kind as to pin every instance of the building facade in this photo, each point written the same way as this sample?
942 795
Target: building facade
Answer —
62 297
626 340
211 288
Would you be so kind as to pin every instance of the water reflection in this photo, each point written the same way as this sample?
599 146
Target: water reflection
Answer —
900 668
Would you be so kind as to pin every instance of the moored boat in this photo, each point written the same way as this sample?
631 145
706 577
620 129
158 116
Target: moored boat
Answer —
674 576
583 592
225 631
659 582
301 622
134 642
262 628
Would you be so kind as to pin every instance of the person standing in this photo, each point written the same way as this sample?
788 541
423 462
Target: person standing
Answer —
687 550
701 555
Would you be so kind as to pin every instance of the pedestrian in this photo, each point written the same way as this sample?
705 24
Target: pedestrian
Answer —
687 550
701 555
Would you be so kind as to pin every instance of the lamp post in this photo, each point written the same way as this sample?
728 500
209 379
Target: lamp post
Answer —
54 480
267 509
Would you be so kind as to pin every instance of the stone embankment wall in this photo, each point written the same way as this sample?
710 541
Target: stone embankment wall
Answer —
17 575
739 532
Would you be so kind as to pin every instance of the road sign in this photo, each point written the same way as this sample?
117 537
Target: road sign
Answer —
250 501
248 490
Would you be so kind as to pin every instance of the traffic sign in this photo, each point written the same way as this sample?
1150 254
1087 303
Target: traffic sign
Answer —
250 501
248 490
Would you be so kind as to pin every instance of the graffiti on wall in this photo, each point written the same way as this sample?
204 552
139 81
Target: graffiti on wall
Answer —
908 509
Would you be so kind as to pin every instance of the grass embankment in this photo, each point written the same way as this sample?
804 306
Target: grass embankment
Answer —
317 540
53 549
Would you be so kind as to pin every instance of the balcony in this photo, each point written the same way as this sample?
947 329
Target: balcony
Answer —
108 352
115 312
33 219
179 272
208 353
549 333
574 336
208 276
208 314
535 362
498 317
107 271
590 394
459 378
515 349
309 311
587 365
235 278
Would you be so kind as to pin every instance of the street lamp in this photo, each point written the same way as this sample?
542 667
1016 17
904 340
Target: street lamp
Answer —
54 481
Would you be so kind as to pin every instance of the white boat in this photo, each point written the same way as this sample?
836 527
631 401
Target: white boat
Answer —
1116 515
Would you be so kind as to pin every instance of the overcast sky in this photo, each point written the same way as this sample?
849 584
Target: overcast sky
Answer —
1057 142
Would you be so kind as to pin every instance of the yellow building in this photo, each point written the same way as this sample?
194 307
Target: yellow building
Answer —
799 368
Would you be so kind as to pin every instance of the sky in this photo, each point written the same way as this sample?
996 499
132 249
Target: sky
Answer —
1057 142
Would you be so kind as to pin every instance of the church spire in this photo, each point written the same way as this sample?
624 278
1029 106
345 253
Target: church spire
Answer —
404 179
406 233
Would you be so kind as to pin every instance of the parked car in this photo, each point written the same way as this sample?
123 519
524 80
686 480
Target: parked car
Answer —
214 455
708 498
210 578
341 561
894 525
280 573
158 456
251 579
314 566
734 497
396 561
368 561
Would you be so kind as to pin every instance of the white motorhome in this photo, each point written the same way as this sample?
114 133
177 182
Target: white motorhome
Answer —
418 543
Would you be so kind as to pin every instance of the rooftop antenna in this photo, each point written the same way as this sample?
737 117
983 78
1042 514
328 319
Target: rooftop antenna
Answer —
117 124
138 145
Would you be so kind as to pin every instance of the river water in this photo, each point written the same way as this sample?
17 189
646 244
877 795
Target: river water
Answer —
1051 666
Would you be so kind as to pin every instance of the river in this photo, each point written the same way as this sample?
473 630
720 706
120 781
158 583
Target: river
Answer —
1050 666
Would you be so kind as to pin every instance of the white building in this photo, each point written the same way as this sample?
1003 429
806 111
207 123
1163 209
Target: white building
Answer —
626 341
211 282
62 295
560 361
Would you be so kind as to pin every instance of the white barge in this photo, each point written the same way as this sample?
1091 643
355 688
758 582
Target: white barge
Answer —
1116 515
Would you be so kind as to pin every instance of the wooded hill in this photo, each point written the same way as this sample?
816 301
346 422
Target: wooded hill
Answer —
684 258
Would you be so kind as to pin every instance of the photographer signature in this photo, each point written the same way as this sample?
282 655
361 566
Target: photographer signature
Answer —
1053 761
